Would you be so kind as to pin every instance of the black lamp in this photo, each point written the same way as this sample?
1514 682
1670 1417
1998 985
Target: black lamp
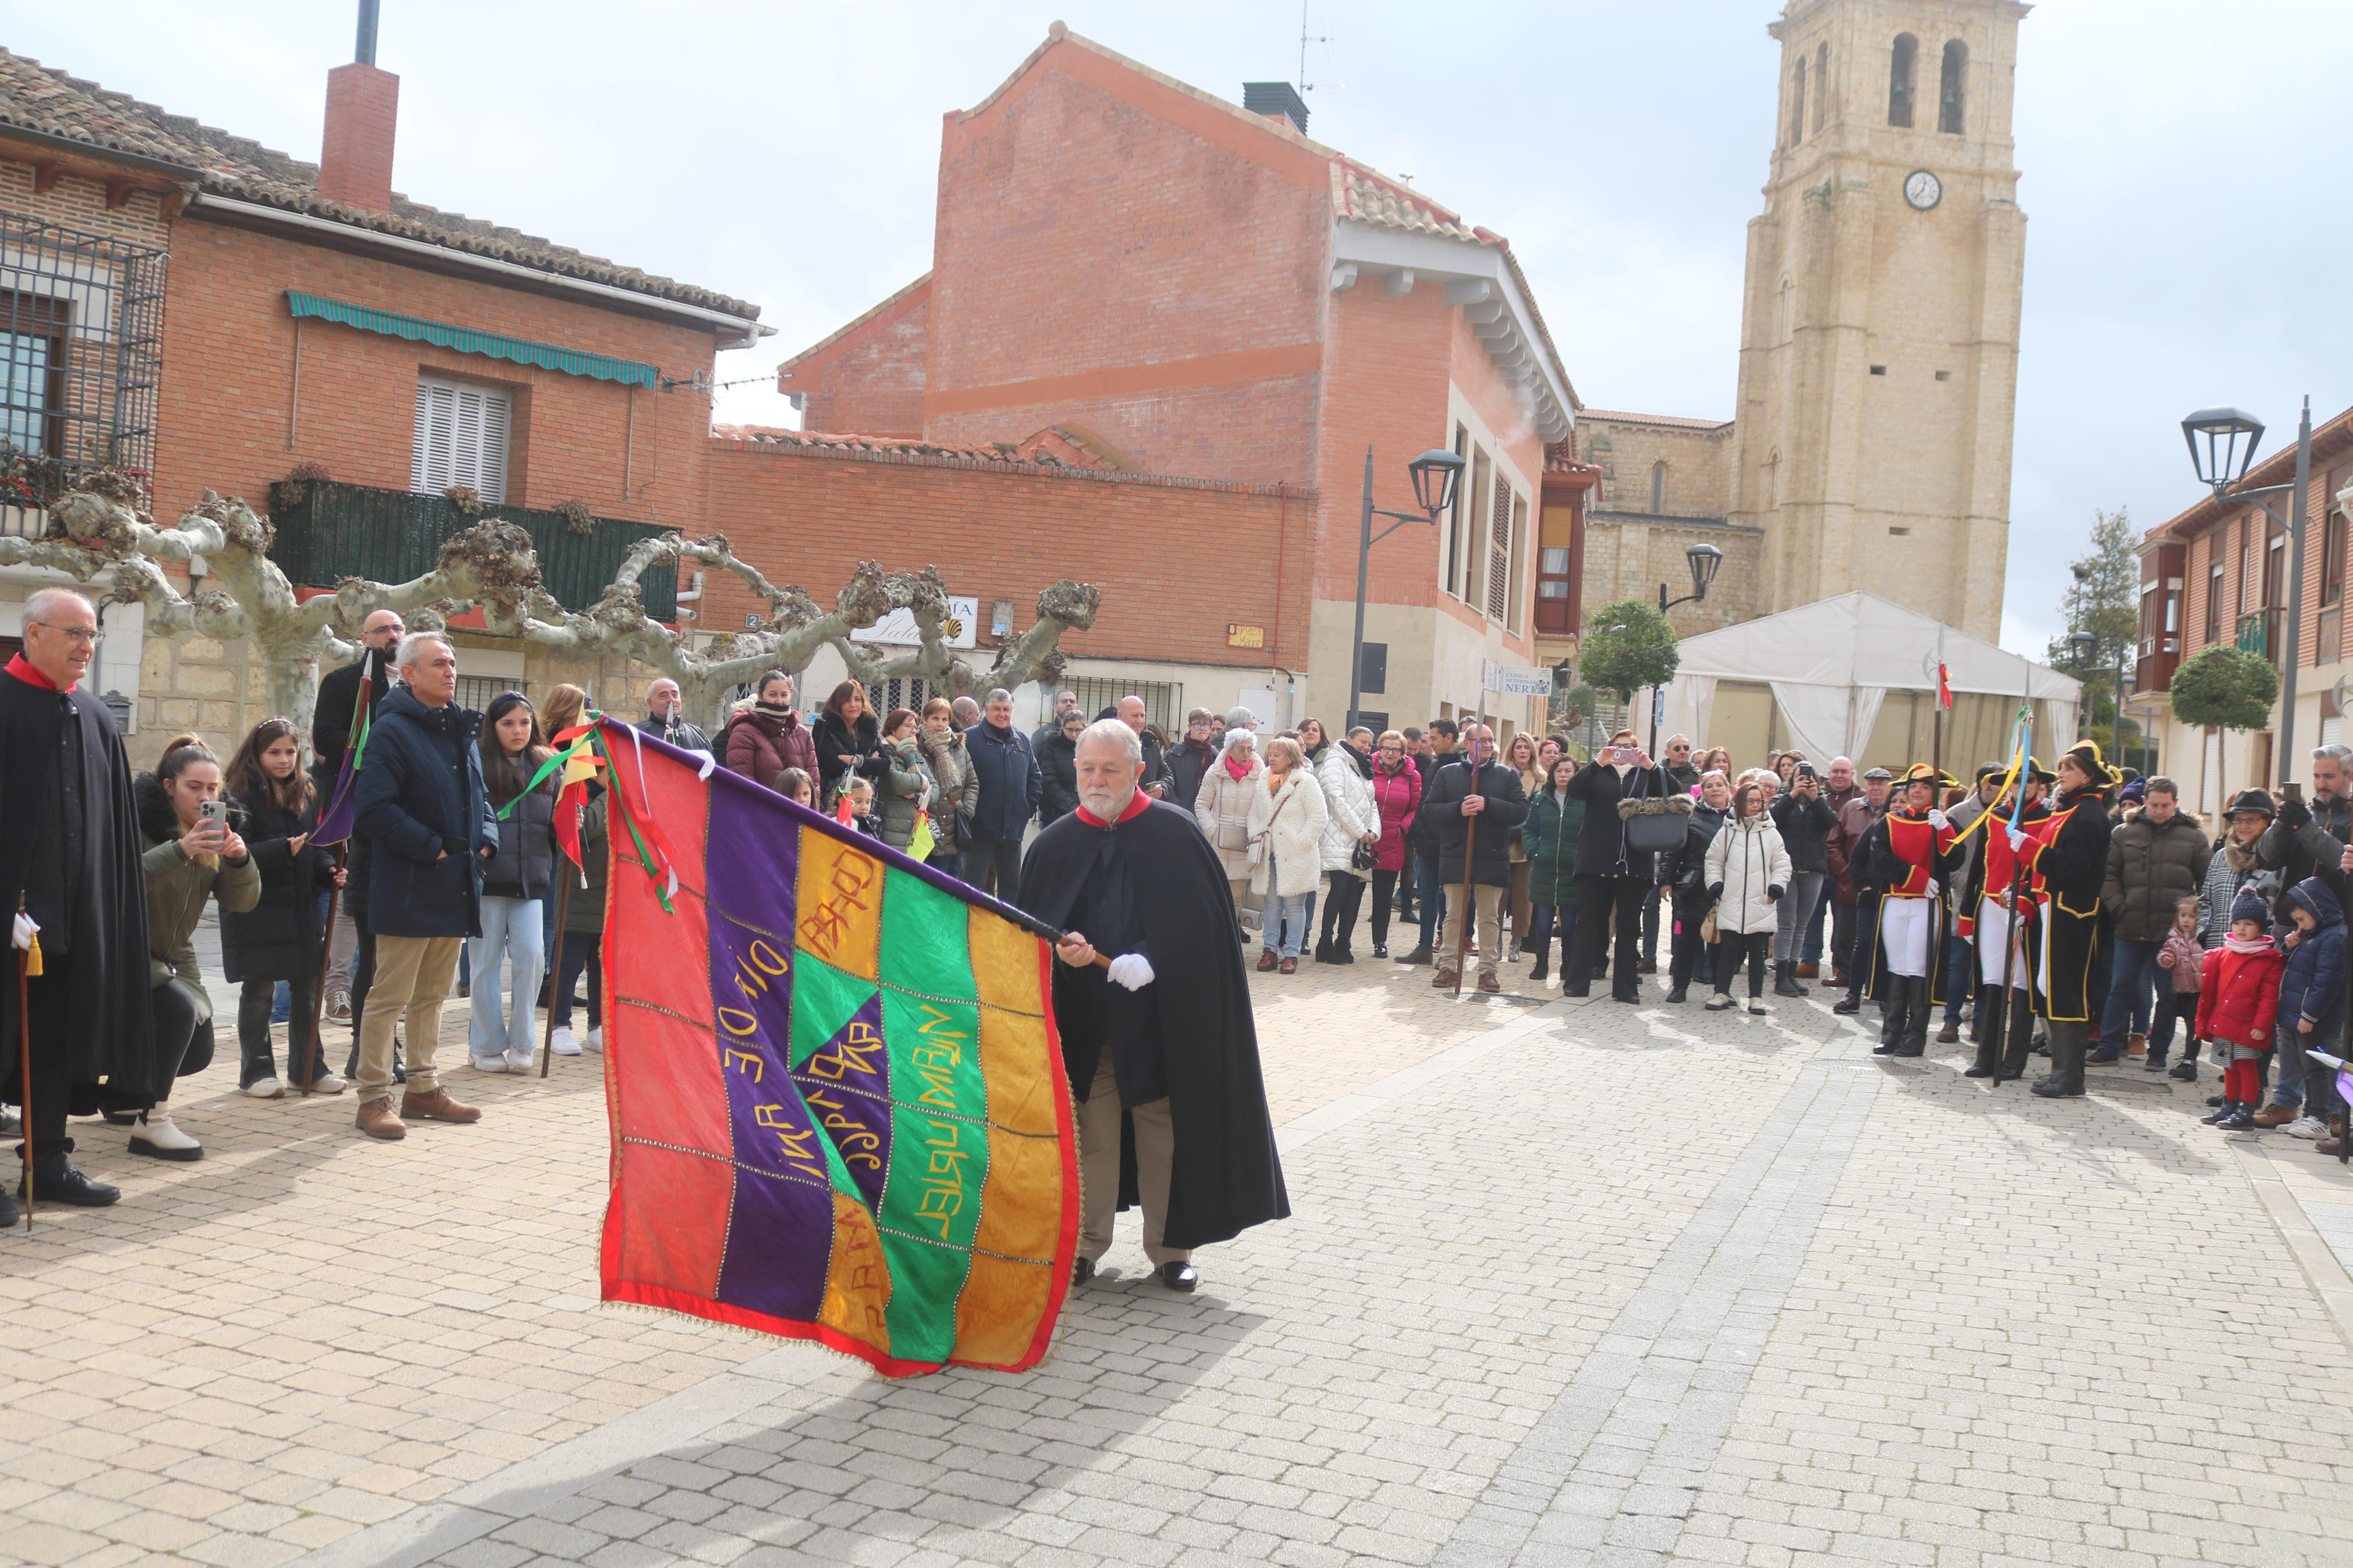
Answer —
1705 560
2214 436
1435 471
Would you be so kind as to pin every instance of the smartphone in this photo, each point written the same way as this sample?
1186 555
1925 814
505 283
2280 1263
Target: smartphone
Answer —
213 812
2293 791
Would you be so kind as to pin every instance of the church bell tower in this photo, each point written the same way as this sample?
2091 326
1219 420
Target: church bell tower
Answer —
1879 324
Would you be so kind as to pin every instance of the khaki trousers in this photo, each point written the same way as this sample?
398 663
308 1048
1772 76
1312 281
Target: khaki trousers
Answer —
1488 933
1156 1150
412 977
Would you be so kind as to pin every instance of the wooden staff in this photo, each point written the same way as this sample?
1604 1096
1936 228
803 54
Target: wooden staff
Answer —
1469 898
326 946
25 1059
557 990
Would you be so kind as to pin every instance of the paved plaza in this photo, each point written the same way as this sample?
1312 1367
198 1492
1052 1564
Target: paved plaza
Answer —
1566 1282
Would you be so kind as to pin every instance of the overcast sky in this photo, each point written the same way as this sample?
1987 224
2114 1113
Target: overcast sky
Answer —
2185 173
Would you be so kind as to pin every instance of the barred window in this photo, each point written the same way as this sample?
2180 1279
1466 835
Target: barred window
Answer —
1164 700
80 338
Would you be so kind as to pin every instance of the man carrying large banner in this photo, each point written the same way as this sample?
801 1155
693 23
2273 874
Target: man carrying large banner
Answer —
1154 1007
838 1103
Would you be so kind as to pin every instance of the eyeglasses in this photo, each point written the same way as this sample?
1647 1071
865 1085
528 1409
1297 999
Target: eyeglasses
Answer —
83 634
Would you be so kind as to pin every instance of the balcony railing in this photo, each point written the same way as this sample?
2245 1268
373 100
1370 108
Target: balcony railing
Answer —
327 531
2259 632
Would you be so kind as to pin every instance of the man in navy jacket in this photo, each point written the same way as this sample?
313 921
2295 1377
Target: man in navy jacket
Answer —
429 829
1006 769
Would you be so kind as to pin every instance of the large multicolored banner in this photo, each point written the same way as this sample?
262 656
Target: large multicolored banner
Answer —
838 1107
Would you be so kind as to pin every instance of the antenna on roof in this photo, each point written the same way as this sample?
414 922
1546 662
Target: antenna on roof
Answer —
1305 39
364 51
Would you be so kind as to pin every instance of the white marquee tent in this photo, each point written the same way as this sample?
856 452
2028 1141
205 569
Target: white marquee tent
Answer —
1831 667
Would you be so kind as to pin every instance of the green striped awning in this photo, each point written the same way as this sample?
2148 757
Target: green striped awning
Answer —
466 340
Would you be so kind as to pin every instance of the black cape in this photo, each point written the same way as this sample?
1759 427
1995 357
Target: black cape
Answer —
1226 1176
111 1027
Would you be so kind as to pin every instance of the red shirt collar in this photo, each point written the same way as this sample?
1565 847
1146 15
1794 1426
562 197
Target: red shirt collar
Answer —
23 670
1136 808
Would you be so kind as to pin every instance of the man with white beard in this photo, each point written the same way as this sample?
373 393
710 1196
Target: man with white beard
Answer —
1154 1007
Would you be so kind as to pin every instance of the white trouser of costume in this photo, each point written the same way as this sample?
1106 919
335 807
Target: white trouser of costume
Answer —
1993 920
1903 935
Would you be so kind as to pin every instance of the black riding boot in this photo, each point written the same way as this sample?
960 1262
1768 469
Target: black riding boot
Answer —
2067 1049
2018 1030
1916 1009
1893 1015
1987 1032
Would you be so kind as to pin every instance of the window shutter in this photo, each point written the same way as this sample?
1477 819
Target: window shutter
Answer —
1499 550
461 439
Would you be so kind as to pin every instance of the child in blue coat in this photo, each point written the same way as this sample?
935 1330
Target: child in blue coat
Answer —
2311 1009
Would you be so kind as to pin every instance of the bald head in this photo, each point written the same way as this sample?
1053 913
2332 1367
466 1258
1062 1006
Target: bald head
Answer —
382 631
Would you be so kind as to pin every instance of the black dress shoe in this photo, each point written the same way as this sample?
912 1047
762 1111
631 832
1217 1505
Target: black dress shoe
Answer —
1848 1004
1178 1276
1976 1072
1083 1271
58 1181
2051 1089
1380 949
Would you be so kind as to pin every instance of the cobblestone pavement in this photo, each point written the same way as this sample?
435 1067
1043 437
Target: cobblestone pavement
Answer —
1566 1284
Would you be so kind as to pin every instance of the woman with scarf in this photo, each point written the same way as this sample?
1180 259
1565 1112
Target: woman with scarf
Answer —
768 737
904 792
957 788
1521 757
1352 826
1396 794
277 939
1223 807
1286 836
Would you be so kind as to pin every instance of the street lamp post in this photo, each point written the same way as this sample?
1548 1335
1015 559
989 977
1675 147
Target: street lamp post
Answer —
1434 474
2214 436
1705 561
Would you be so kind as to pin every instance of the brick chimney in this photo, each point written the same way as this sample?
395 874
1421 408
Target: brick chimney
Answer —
355 154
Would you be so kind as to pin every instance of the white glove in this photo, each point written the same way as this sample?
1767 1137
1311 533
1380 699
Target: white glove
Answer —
1936 818
1932 887
1132 969
25 927
2017 841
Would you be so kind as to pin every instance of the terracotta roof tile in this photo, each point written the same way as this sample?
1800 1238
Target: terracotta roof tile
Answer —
1676 420
1367 196
37 97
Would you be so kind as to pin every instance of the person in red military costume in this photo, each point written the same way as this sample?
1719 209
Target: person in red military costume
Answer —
1909 854
1986 918
2069 853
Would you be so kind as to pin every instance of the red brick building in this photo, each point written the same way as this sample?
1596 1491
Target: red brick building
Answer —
2219 572
1187 287
219 316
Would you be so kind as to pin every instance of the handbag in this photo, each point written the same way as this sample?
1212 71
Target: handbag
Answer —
1652 823
1362 859
1233 835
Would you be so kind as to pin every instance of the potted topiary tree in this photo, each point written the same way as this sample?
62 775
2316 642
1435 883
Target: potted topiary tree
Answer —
2225 688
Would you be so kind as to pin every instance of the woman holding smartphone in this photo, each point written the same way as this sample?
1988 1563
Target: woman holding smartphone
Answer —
1612 878
193 855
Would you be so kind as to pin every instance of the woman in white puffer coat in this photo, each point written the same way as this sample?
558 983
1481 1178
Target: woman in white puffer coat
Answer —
1286 836
1747 873
1351 822
1222 807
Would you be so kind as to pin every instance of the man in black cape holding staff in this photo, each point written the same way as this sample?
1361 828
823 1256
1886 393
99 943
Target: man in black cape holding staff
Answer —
71 879
1160 1044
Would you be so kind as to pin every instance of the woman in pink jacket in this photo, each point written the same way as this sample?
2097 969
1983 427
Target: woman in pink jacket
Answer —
1397 790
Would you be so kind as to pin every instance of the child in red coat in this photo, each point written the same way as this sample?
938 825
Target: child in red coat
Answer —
2238 1001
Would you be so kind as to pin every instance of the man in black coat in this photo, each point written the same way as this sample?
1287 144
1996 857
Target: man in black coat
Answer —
1475 806
430 831
666 717
1188 760
1159 1043
1612 880
71 877
1010 787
